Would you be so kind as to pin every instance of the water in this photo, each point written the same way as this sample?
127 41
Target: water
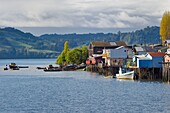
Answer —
35 91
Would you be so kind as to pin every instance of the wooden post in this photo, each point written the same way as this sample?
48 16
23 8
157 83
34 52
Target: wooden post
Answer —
139 73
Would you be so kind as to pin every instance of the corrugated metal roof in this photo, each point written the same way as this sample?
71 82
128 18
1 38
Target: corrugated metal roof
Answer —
105 44
156 53
120 43
139 49
113 44
100 43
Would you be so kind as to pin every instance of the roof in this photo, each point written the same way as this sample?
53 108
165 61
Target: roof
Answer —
139 56
167 41
121 43
107 44
156 53
144 58
100 43
139 49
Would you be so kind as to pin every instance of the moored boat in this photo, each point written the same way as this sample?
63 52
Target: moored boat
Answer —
41 67
126 75
5 68
13 66
70 67
81 67
23 66
51 68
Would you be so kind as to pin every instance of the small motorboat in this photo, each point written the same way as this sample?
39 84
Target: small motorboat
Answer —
41 67
13 66
51 68
126 75
70 67
81 67
23 66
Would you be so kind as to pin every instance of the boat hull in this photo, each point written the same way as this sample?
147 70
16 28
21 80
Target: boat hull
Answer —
128 75
52 70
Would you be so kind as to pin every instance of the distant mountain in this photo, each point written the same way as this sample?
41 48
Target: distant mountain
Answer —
17 44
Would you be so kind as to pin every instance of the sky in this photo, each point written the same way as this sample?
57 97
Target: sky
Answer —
81 16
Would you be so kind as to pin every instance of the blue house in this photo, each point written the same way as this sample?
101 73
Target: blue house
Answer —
144 62
151 60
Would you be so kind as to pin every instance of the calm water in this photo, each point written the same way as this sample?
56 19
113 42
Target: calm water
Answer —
34 91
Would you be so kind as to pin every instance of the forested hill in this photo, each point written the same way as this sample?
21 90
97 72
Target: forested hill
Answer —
17 44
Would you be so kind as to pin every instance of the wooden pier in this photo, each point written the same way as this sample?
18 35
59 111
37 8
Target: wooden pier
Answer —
166 71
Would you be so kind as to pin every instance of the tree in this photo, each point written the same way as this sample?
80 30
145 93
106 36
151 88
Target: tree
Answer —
74 56
77 55
84 53
66 47
62 57
165 26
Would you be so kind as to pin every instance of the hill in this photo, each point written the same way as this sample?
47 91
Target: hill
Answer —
17 44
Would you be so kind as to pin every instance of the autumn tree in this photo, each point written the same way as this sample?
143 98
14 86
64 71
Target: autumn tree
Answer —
62 57
66 48
165 27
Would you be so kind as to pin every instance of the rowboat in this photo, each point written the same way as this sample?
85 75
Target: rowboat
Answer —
126 75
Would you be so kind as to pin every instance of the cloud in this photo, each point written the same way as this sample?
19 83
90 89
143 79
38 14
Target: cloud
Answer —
82 13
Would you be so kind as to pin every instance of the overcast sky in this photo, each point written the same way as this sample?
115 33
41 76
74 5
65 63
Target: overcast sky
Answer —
82 14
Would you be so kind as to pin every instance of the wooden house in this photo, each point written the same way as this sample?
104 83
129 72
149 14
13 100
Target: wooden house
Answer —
96 49
117 55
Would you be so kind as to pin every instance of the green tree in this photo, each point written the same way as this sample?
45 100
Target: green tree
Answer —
60 59
165 26
84 53
77 55
74 56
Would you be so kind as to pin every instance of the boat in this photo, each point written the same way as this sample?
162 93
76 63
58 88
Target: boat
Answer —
5 68
70 67
51 68
23 66
126 75
41 67
13 66
81 67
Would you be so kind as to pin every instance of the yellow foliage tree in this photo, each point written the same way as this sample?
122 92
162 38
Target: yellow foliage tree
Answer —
165 26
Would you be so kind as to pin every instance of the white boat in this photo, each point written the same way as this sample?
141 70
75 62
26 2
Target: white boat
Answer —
127 75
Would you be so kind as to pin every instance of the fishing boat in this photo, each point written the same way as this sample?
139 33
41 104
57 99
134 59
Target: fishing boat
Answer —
13 66
81 67
70 67
52 68
126 75
41 67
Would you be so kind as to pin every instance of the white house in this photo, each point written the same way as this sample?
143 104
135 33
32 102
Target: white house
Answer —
117 53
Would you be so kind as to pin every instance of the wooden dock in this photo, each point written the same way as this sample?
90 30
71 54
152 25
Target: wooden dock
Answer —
166 71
